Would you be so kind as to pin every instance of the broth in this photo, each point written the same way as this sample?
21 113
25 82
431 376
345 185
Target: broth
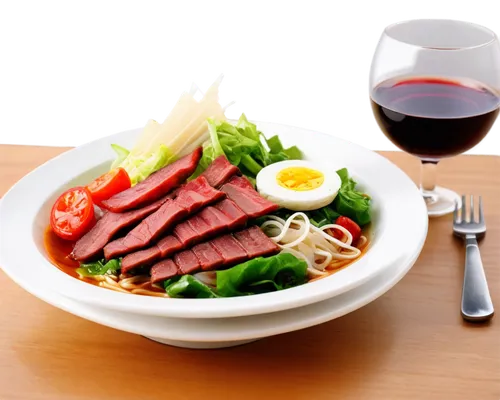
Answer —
58 251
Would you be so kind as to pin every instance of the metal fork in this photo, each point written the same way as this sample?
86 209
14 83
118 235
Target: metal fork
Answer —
476 300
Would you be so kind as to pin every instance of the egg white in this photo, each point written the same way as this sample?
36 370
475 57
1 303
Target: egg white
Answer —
307 200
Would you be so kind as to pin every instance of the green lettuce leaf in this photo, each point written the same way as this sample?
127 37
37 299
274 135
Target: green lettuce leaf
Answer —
100 267
244 146
262 275
350 202
274 144
139 167
121 154
187 286
293 153
248 129
211 149
212 129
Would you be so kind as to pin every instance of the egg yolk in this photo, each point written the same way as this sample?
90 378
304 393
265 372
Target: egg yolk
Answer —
300 178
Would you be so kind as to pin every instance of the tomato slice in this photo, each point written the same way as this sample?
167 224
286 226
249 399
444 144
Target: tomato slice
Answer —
109 184
72 214
335 233
351 226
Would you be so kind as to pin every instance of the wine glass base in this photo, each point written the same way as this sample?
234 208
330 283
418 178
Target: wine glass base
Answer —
441 201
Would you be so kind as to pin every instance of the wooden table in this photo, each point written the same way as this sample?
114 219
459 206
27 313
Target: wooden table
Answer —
409 344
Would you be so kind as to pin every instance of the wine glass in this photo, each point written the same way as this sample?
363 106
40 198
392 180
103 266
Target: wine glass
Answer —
434 89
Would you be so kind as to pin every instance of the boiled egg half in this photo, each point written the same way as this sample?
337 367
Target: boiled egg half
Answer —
298 185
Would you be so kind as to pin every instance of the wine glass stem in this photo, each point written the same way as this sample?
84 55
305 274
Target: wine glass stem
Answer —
428 180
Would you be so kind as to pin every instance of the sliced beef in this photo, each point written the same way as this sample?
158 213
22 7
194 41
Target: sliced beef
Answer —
185 234
190 200
156 185
208 223
208 257
256 243
91 244
219 171
217 221
169 245
140 258
247 198
186 262
149 229
241 182
222 252
203 229
230 250
194 195
163 270
197 194
202 226
233 212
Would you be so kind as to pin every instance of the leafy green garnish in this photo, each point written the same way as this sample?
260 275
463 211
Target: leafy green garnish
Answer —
262 275
243 145
350 202
324 216
100 267
293 153
186 286
121 154
274 144
139 167
251 165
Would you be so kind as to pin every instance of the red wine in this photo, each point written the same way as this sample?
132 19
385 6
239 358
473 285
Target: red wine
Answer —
433 117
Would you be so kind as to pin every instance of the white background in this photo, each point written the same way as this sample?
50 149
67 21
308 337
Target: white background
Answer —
312 124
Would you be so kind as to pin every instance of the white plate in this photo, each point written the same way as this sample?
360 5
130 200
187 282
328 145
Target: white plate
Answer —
227 332
397 203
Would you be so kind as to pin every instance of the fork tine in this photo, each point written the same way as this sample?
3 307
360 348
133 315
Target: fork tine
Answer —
481 216
455 213
464 209
471 208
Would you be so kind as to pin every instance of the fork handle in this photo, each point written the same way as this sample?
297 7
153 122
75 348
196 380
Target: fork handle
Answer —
476 300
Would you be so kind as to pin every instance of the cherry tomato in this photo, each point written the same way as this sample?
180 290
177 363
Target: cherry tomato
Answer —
109 184
72 214
351 226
